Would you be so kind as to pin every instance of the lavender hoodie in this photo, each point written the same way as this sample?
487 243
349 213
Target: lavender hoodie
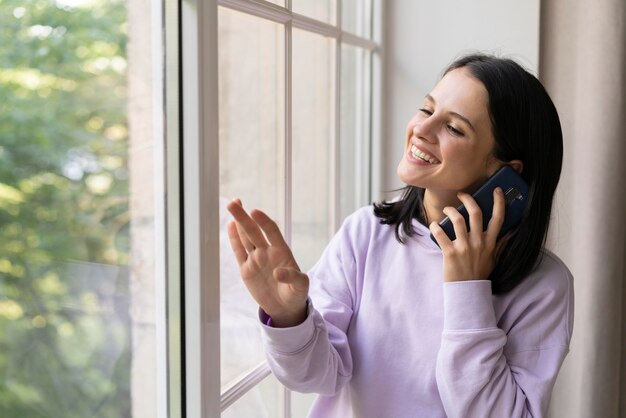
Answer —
385 337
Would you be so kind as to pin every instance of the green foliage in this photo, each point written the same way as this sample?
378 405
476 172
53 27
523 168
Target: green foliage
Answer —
64 335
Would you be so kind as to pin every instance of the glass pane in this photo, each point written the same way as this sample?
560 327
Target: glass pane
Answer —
301 403
262 401
323 10
355 129
356 17
313 72
77 262
251 135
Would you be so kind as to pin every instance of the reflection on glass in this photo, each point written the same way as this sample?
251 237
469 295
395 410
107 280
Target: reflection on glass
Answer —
323 10
356 17
251 136
354 177
313 63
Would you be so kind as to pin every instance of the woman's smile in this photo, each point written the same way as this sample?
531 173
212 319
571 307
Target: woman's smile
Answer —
417 154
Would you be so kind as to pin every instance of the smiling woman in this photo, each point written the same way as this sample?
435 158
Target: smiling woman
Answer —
510 120
478 328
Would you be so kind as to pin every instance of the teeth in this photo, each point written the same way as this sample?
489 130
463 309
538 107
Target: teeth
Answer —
423 156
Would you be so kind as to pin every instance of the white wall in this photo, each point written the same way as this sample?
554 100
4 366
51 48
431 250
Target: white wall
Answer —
423 37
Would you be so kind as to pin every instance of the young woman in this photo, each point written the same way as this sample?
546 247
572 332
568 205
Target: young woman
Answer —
388 324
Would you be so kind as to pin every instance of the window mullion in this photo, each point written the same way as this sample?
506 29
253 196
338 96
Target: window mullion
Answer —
360 146
335 176
365 124
377 116
354 40
259 8
285 410
288 132
242 385
315 26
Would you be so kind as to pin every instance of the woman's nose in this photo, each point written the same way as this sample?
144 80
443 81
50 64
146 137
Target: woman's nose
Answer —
424 131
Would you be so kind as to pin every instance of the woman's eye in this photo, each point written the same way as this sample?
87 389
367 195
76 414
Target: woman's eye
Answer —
455 131
426 111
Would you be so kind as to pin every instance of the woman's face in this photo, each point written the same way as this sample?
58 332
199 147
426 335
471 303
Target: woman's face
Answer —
449 142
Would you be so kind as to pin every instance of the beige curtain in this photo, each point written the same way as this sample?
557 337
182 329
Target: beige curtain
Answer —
583 66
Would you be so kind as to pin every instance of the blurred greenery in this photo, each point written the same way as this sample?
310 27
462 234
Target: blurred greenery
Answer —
64 219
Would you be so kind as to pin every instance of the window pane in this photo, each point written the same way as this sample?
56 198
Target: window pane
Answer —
77 263
262 401
301 404
251 136
356 17
324 10
355 131
313 72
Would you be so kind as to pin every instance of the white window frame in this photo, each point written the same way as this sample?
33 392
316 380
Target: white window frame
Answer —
201 395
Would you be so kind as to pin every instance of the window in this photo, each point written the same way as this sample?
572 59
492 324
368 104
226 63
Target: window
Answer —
124 129
80 151
278 110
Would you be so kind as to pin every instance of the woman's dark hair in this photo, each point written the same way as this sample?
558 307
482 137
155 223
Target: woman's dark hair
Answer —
526 127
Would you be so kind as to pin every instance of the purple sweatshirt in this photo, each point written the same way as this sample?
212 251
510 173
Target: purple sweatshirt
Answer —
385 337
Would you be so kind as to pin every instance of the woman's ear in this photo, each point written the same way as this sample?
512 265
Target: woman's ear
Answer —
517 165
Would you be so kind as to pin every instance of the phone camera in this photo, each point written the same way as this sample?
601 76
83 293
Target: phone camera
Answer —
512 194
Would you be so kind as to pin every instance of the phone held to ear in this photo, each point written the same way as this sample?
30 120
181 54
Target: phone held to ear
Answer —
515 197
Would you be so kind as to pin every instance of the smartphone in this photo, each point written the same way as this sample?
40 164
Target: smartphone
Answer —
515 197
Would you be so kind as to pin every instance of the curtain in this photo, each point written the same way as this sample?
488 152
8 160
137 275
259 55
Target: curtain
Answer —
583 66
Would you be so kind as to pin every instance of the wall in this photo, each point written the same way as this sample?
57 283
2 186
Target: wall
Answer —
422 37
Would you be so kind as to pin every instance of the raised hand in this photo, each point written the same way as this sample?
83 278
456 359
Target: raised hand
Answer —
472 255
267 266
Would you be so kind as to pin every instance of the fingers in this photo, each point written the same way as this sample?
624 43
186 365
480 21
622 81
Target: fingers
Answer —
497 217
272 232
247 227
475 216
440 235
244 238
236 244
460 227
295 278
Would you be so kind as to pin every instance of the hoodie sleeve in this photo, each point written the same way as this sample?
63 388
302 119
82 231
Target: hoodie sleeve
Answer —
505 367
315 355
308 357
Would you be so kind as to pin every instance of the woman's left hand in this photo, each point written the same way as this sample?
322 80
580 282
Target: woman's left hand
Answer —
471 256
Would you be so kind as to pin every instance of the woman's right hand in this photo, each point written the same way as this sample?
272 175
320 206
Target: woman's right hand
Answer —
267 266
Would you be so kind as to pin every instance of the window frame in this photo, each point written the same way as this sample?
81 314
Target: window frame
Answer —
200 223
193 246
